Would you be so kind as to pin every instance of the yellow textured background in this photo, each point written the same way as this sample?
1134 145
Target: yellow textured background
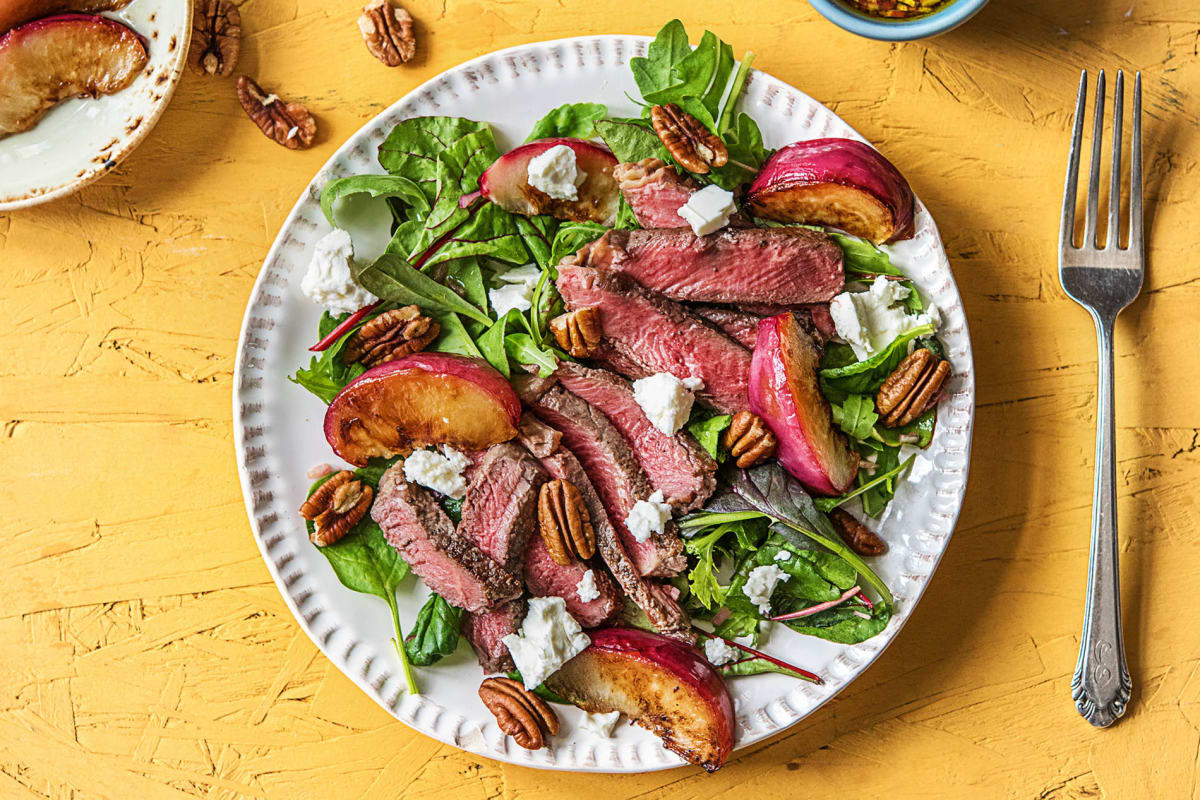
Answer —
145 653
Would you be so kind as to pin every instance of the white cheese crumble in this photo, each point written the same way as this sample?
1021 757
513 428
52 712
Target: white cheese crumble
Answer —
719 651
869 321
517 290
327 281
648 516
442 472
760 585
586 588
554 172
666 400
601 725
708 210
783 555
549 638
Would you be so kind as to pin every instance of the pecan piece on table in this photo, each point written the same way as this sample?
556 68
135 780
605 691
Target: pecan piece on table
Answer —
388 32
289 124
393 334
564 522
519 712
216 38
693 146
912 389
577 332
858 537
336 507
748 439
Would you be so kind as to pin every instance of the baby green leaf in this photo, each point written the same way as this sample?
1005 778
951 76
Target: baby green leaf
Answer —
575 120
708 433
435 633
391 278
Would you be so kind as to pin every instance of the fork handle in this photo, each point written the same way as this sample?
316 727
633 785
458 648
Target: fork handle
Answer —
1101 684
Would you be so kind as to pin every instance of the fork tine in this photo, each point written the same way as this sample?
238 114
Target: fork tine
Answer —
1093 195
1066 237
1135 179
1114 191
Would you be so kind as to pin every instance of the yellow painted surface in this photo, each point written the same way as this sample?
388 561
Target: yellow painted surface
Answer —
145 653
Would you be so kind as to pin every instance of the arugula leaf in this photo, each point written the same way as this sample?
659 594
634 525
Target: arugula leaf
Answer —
865 377
702 578
538 233
327 373
708 433
576 120
653 72
412 148
491 345
522 349
827 504
391 278
631 140
374 185
876 498
856 416
571 236
435 633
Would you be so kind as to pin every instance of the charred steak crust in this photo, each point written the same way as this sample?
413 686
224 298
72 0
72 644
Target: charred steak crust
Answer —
499 512
645 333
449 563
485 631
677 465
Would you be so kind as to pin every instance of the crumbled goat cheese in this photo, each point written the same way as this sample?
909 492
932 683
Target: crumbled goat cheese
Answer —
586 588
517 290
719 651
783 555
869 321
601 725
549 638
554 172
442 472
666 400
708 210
760 585
327 281
648 516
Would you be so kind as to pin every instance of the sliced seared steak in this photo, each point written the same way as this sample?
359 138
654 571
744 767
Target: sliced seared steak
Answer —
677 464
485 630
655 191
784 266
499 511
650 334
742 325
449 563
660 608
613 469
544 578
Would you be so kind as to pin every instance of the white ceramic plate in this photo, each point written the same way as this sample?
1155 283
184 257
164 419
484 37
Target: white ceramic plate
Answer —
81 139
278 427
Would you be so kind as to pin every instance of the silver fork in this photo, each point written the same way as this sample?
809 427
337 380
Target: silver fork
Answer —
1103 279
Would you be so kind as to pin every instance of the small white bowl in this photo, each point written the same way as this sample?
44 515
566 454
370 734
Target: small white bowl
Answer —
81 139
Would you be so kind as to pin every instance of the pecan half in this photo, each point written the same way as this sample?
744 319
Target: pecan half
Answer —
216 38
858 537
519 712
564 522
388 32
693 146
289 124
748 439
393 334
578 332
336 507
912 389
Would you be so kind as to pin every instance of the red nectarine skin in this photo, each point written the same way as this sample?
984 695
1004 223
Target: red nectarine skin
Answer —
843 162
506 183
424 398
808 447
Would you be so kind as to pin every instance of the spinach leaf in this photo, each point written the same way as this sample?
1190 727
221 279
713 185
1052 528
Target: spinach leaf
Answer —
327 373
541 691
861 257
827 504
756 665
468 274
918 433
688 74
576 120
491 345
435 633
865 377
538 233
454 336
412 148
452 506
708 433
631 140
391 278
653 72
522 349
746 154
374 185
842 624
856 416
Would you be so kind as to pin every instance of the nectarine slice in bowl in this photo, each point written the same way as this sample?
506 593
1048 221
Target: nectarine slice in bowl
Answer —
422 399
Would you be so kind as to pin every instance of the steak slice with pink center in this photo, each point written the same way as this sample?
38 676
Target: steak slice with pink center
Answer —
781 266
655 192
450 564
612 467
677 465
650 334
499 512
662 609
485 631
545 578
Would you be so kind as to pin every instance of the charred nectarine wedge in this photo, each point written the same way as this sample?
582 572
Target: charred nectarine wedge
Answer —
662 684
51 59
424 398
506 183
842 183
